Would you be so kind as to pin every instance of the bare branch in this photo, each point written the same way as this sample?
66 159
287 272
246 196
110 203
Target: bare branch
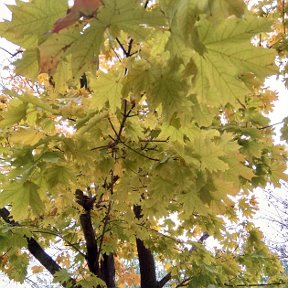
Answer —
139 153
256 285
12 54
271 125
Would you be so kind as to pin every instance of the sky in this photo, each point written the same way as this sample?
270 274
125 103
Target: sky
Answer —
279 113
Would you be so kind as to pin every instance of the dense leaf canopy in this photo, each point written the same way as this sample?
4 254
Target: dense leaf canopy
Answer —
131 132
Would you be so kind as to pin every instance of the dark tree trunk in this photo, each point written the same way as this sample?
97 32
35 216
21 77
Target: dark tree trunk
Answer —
108 270
104 269
146 259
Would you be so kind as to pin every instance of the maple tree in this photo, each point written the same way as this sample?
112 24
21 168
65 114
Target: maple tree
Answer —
143 132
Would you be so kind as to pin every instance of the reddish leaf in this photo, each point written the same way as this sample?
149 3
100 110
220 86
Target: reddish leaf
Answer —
80 8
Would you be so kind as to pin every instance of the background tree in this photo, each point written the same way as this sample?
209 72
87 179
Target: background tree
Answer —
274 213
143 132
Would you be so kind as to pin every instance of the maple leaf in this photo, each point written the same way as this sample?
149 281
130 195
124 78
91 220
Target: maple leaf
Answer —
80 8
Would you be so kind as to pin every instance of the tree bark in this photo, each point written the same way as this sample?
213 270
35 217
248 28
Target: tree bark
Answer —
146 259
104 269
91 244
108 270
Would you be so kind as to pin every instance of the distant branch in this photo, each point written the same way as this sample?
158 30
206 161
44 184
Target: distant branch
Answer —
255 285
271 125
12 54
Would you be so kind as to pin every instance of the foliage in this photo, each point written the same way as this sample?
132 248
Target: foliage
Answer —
143 133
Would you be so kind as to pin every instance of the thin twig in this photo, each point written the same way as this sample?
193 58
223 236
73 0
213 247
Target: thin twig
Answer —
12 54
100 147
104 230
112 126
255 285
130 44
60 236
118 57
154 140
139 153
122 125
122 47
271 125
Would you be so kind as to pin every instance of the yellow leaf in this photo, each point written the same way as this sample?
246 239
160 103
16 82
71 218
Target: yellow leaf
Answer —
37 269
26 136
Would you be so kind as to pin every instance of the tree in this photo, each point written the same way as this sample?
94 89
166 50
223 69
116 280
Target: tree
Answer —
141 131
276 218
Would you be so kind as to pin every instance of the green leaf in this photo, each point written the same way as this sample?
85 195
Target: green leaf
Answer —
58 175
220 9
20 264
37 102
93 121
129 16
62 276
209 153
221 66
107 88
22 196
28 64
85 49
15 113
284 130
26 136
35 17
91 281
63 74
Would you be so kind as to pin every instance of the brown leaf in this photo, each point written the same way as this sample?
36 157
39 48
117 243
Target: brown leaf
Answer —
80 8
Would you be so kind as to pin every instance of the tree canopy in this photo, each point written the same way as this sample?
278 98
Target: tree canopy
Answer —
131 132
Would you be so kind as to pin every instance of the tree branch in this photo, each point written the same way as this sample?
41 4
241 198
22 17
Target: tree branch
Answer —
12 54
146 259
38 252
164 280
271 125
107 263
104 269
146 4
139 153
255 285
88 231
122 47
